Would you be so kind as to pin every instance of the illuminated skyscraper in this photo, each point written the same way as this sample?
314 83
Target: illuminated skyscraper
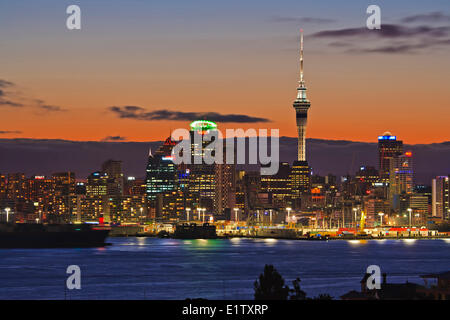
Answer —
202 180
401 174
441 197
113 169
161 171
388 149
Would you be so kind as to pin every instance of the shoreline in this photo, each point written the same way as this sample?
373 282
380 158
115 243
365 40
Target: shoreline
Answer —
284 238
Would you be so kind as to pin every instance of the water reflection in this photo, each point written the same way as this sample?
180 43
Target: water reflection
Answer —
270 241
356 242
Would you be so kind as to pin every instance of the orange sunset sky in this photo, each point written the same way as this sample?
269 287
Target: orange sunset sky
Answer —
227 58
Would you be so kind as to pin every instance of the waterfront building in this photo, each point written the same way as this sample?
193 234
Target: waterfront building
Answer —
419 204
171 205
388 148
441 197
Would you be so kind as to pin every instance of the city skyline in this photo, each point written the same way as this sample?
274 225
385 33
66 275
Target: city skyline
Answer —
159 151
55 77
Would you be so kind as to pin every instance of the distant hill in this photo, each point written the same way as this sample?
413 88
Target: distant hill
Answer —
339 157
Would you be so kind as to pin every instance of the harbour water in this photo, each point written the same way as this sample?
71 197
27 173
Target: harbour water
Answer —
152 268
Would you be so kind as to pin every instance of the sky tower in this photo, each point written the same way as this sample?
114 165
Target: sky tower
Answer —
301 105
300 173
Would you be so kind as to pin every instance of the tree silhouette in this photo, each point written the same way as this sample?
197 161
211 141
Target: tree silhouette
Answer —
297 293
270 285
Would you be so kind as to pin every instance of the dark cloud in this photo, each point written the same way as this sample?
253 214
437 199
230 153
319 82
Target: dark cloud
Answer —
403 48
339 44
386 31
394 38
139 113
301 20
4 97
9 103
427 17
9 132
114 138
13 98
50 108
4 83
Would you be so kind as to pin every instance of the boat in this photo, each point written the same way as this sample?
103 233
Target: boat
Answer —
194 231
276 233
27 235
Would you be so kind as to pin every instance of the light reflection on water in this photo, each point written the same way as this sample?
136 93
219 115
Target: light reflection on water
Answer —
213 269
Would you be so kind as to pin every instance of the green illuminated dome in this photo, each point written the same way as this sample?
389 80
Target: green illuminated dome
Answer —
203 125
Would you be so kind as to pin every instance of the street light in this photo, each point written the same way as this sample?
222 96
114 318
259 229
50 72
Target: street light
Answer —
236 214
409 211
199 210
288 212
381 214
187 213
7 214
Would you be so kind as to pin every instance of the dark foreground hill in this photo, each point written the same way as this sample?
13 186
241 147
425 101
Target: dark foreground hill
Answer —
43 157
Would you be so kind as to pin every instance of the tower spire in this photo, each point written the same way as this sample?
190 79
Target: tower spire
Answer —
301 82
301 89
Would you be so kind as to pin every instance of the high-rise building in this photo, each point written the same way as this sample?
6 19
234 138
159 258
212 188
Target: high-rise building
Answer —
134 187
3 186
278 186
366 177
300 182
161 171
388 148
202 176
420 207
225 193
441 197
113 170
16 187
97 184
401 174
